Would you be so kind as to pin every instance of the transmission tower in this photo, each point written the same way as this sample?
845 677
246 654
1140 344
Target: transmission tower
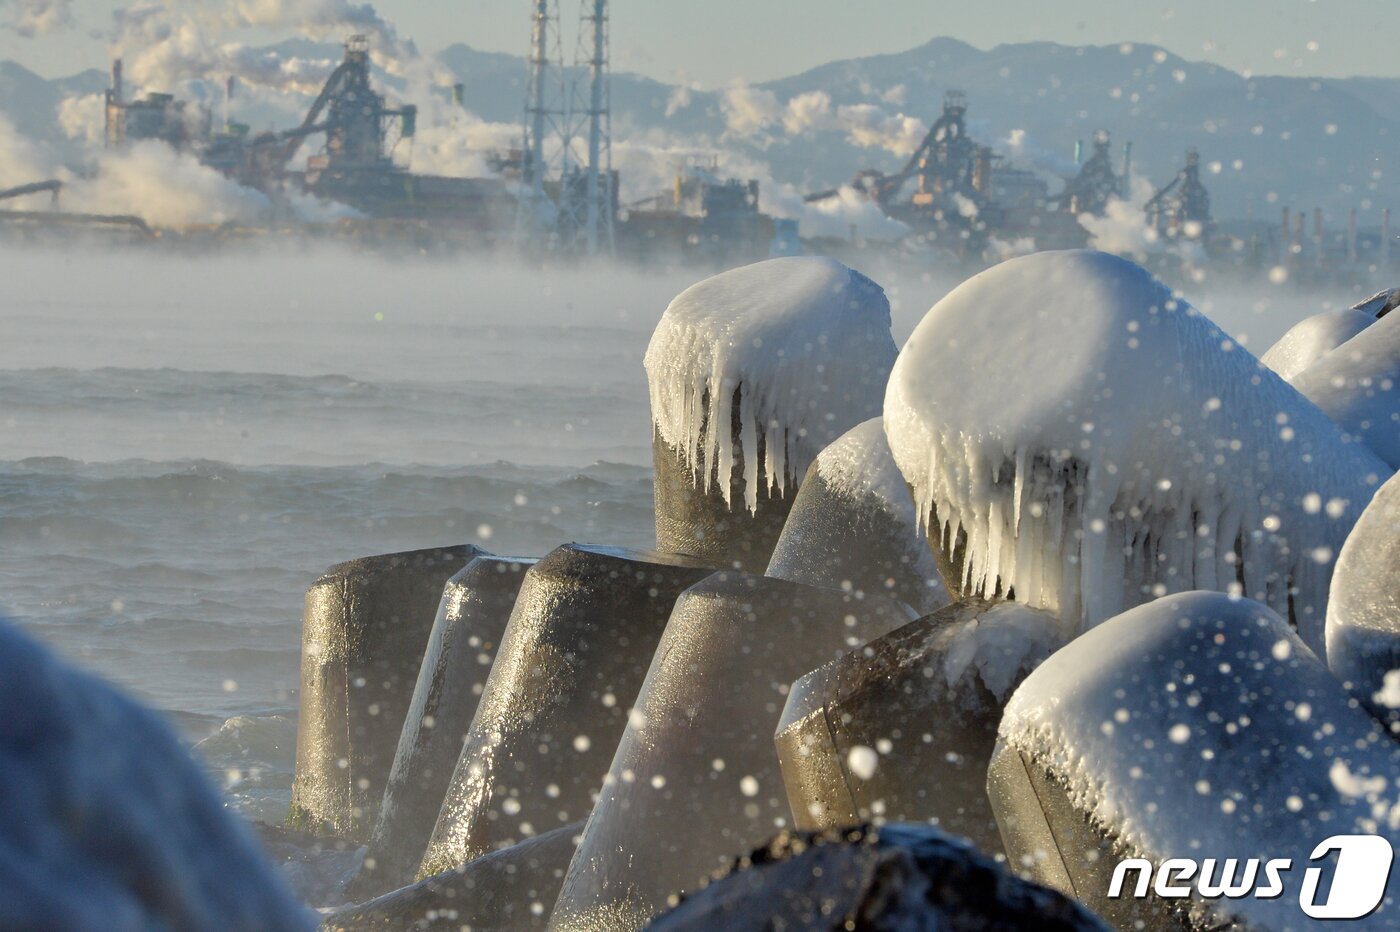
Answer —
546 120
566 197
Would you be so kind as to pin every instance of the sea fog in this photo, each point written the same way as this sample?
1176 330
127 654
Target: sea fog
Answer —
187 442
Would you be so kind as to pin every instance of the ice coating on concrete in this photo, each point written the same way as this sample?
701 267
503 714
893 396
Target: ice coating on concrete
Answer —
999 645
106 822
1100 442
1358 386
1363 614
1312 338
806 343
1200 725
859 464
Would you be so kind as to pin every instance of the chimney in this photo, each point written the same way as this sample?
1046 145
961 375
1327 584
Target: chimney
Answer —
1351 236
1385 237
118 92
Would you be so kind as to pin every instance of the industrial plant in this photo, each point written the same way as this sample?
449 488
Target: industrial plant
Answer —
555 193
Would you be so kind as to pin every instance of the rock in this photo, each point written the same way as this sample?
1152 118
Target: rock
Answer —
504 891
895 877
106 822
366 626
577 648
1363 612
696 777
902 729
476 605
1195 726
853 525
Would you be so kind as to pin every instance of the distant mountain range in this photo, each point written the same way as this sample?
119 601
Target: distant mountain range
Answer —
1296 141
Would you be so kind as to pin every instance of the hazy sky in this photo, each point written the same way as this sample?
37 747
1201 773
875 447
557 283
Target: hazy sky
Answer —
713 41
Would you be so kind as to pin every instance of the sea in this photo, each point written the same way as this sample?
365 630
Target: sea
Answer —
188 439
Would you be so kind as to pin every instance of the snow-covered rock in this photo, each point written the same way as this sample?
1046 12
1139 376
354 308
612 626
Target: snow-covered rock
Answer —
892 877
1197 726
1363 614
804 342
1088 440
1358 386
853 526
1379 304
1312 338
106 822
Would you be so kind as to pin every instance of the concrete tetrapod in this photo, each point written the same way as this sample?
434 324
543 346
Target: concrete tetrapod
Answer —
891 877
750 373
695 778
1198 734
853 525
577 648
476 605
502 892
1363 609
366 625
902 729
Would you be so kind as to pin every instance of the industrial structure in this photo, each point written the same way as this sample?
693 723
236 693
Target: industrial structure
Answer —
557 192
962 197
714 219
568 200
1181 208
1096 184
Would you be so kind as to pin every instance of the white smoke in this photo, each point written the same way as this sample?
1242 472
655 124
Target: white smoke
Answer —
748 109
21 160
847 213
1123 229
870 127
82 119
1022 150
169 42
865 125
163 187
681 97
32 18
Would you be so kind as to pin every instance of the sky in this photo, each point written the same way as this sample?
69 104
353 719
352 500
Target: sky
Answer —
711 42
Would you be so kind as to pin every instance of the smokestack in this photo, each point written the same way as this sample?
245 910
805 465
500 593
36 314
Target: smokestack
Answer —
1287 232
1317 234
1385 237
1300 229
118 92
1351 236
1078 151
1127 166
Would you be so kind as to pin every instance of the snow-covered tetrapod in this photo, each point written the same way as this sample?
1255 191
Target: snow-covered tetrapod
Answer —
1363 614
1312 338
853 526
1358 386
578 645
508 889
1197 726
695 779
1076 435
901 729
366 626
751 373
476 605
